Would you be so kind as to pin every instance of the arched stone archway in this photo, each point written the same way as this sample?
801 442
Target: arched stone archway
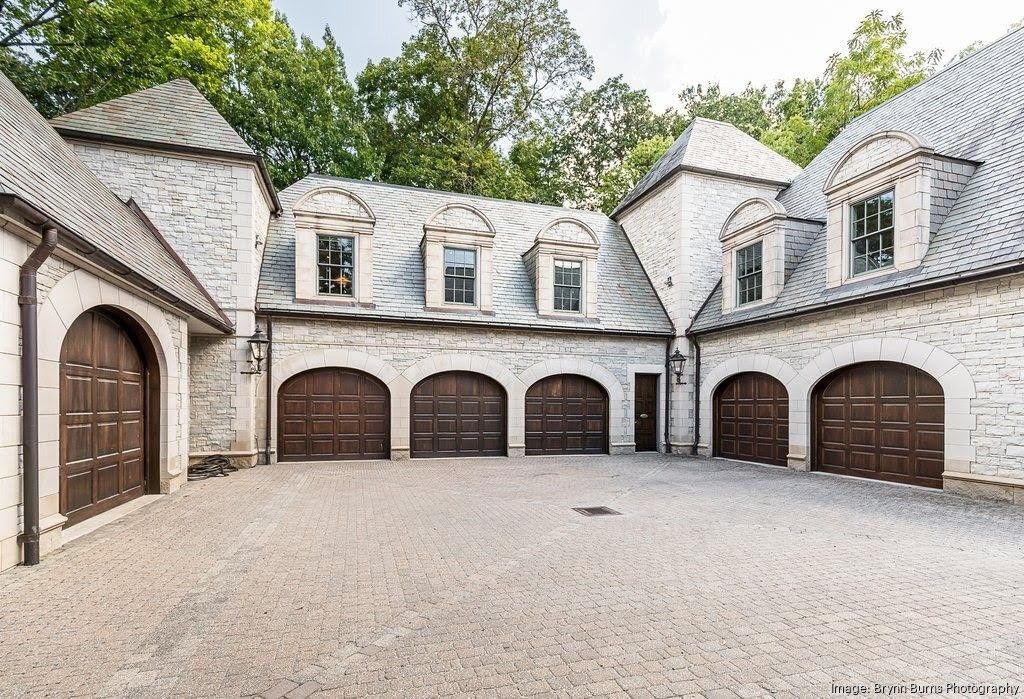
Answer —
619 427
956 382
286 367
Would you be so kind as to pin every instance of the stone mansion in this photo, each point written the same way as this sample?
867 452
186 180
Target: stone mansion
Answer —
160 302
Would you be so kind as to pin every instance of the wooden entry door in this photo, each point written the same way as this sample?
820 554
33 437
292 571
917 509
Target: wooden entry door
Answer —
645 413
333 414
752 419
458 413
881 420
103 389
566 414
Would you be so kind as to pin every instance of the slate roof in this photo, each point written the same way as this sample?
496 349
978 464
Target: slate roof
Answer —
41 172
627 302
715 147
172 114
974 110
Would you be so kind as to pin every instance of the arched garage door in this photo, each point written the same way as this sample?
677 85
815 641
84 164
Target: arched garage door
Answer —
333 414
752 419
458 413
566 414
880 420
106 411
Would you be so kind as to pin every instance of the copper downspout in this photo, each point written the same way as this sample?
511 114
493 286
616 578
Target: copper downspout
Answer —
28 300
270 386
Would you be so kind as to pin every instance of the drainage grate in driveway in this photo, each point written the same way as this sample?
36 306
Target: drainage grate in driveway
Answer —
596 511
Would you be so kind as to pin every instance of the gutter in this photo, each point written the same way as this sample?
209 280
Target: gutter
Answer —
1004 270
447 322
28 301
696 395
80 246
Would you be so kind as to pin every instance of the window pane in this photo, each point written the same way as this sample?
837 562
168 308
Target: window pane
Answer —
568 285
459 276
748 274
871 233
335 265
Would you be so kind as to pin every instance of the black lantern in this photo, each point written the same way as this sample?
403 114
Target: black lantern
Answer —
258 346
677 362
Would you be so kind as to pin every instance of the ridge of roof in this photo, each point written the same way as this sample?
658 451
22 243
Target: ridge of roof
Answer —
712 147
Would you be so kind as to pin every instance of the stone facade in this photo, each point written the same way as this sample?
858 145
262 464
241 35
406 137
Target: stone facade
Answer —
65 291
675 230
401 354
215 213
968 337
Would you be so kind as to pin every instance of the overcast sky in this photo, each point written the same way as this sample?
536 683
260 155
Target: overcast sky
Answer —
663 45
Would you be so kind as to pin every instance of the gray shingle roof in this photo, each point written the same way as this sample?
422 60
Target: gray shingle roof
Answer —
627 302
971 110
714 146
39 169
173 114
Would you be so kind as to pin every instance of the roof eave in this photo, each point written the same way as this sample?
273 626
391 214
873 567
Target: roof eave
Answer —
622 208
926 285
261 167
86 249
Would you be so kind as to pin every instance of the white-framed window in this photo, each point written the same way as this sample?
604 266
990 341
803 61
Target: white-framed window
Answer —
748 274
336 265
460 276
872 233
568 282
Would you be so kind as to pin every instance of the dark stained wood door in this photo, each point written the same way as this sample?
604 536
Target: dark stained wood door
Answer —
880 420
566 414
458 413
333 414
645 413
103 384
752 419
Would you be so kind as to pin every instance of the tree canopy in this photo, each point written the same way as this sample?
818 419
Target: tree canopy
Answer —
486 97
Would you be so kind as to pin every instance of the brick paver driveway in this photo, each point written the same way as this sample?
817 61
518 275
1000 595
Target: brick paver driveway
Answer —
475 576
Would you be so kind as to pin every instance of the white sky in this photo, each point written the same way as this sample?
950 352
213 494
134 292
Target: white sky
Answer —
664 45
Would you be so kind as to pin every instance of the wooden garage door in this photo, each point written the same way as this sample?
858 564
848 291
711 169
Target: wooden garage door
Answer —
566 414
752 419
880 420
332 414
102 417
458 413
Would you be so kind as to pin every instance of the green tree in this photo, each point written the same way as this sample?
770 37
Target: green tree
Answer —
475 77
618 181
288 97
746 110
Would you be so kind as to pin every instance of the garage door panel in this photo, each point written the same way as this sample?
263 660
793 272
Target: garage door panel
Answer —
458 414
752 419
333 413
880 420
575 416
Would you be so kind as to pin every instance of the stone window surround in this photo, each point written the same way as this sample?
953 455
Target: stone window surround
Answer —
908 174
310 224
540 260
438 237
769 232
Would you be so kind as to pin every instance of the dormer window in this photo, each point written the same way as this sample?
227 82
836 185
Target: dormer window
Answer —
563 263
568 285
748 274
335 266
333 248
871 234
460 276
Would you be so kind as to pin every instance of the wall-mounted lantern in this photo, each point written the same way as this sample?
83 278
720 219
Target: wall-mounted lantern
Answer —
677 362
258 347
